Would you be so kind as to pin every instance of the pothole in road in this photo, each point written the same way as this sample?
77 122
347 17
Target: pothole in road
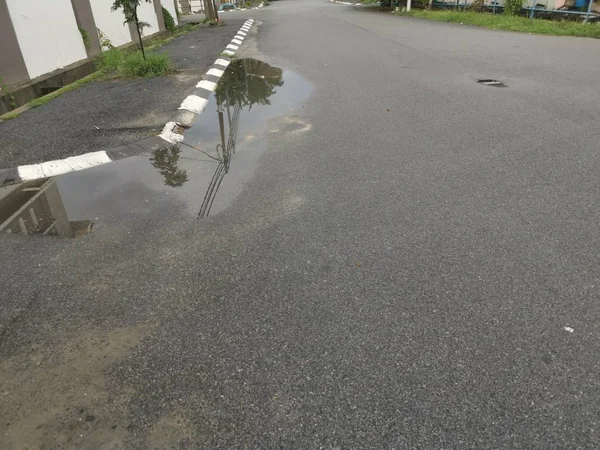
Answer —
491 82
201 176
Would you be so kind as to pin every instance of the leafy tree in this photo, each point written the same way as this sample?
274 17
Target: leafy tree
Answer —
248 81
130 10
166 160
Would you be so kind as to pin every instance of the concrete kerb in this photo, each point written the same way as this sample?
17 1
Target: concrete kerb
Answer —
172 133
262 4
345 3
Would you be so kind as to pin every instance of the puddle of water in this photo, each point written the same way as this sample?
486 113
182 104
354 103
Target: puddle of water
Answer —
197 178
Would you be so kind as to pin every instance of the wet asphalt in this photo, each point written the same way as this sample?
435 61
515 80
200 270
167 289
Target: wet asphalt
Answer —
411 261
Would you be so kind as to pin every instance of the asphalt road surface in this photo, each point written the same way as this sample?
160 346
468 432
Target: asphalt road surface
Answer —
407 259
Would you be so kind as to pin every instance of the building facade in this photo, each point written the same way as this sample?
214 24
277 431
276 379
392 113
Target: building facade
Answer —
39 37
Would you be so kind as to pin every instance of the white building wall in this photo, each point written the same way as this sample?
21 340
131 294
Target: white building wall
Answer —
47 33
197 5
110 22
169 5
147 13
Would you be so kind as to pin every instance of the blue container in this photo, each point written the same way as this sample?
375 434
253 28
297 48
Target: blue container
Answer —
581 3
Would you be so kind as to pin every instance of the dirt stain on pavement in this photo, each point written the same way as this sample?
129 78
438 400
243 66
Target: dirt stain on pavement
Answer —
58 397
171 431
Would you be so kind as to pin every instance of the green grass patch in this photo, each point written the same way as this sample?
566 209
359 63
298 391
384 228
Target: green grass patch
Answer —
131 64
110 60
126 63
510 23
134 65
11 115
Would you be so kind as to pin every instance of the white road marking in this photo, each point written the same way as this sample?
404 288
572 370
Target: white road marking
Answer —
168 134
232 47
194 103
55 168
88 160
31 172
209 85
236 41
215 72
61 166
222 62
229 52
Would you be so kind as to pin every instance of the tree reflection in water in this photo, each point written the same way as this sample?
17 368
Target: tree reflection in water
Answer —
245 83
166 160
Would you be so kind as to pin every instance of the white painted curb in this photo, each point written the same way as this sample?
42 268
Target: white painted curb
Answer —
193 103
196 104
60 166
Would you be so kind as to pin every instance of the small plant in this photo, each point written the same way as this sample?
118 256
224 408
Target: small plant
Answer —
169 21
105 43
134 65
85 37
4 90
130 10
110 60
3 86
513 7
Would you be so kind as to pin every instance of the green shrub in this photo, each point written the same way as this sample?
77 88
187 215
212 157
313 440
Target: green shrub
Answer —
131 64
105 43
85 36
169 21
134 65
513 7
110 60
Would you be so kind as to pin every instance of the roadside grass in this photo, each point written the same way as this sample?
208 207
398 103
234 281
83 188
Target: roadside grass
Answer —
135 66
126 63
510 23
131 64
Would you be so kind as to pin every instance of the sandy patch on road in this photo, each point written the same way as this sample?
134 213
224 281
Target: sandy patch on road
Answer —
58 397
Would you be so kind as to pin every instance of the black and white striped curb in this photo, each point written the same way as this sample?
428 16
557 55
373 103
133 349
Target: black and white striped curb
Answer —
244 9
345 3
190 108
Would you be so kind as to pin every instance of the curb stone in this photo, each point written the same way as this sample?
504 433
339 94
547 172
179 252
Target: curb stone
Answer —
182 119
345 3
244 9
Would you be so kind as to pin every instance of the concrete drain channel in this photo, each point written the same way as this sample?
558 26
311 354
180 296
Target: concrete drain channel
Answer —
491 82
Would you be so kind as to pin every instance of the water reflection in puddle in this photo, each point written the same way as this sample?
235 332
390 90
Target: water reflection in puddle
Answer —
198 178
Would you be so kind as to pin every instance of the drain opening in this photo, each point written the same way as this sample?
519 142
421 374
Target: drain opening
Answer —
491 82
